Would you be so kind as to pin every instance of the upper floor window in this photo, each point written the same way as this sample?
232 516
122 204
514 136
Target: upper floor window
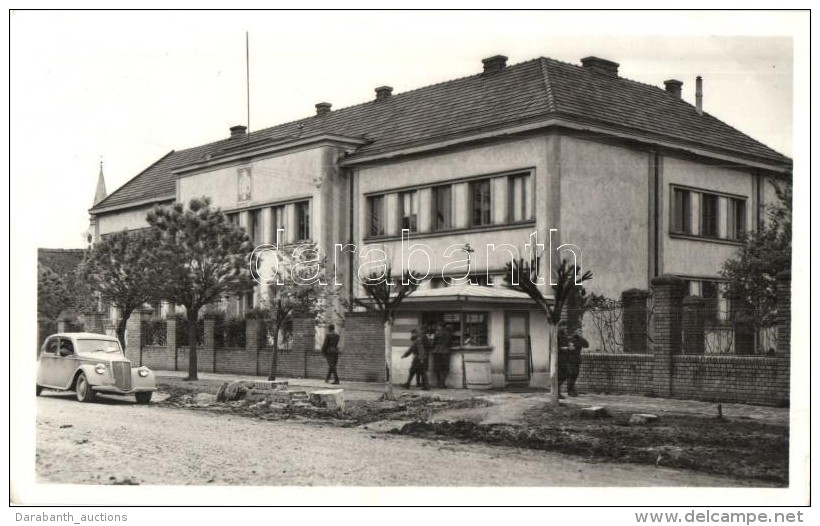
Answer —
375 210
736 219
278 223
480 203
709 215
303 221
442 207
408 210
717 216
519 207
255 225
681 211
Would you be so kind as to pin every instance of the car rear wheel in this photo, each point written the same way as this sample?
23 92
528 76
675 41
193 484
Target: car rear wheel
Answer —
84 391
144 397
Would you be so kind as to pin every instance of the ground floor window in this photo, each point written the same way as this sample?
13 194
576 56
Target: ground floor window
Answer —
468 328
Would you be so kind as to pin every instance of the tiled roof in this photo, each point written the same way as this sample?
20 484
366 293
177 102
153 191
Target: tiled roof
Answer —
529 92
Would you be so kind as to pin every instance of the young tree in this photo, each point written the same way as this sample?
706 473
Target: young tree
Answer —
123 270
204 258
522 276
752 274
384 296
295 288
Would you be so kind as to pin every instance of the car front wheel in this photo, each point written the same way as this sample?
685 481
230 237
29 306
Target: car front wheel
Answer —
144 397
84 391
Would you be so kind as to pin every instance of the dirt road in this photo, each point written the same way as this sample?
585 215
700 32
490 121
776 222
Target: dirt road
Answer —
116 441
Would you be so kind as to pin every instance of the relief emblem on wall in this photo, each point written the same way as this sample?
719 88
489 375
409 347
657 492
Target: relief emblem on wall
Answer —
244 184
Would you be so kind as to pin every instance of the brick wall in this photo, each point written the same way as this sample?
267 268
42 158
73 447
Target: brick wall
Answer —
204 357
745 379
759 380
157 357
616 373
362 357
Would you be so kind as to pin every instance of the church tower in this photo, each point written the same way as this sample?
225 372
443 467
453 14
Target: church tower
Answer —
101 193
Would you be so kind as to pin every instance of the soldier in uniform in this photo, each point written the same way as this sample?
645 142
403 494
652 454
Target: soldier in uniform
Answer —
441 354
569 357
330 350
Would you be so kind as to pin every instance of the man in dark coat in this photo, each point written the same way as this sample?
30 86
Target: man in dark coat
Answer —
441 354
569 357
330 350
419 366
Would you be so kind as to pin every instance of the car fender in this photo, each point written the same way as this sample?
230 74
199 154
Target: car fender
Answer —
90 375
143 383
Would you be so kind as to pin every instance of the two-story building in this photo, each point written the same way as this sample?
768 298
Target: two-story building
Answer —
475 171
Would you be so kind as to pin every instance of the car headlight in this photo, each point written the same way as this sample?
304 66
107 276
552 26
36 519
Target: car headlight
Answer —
100 368
143 371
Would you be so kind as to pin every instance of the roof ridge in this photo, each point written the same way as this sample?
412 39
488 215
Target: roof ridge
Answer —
392 97
547 86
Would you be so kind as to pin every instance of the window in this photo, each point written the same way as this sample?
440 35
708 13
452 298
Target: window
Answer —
442 207
233 218
709 292
519 207
481 209
708 215
278 223
467 328
681 211
51 346
255 226
375 211
408 210
303 221
736 219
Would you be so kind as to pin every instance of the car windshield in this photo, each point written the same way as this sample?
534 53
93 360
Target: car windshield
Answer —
93 345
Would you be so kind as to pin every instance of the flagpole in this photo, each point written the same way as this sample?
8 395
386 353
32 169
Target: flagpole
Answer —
248 80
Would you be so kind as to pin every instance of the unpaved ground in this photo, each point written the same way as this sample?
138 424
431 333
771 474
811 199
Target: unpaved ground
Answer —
118 442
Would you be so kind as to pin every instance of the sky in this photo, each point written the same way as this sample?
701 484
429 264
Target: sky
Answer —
128 87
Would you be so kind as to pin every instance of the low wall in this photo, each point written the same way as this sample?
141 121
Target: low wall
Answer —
745 379
157 357
613 373
742 379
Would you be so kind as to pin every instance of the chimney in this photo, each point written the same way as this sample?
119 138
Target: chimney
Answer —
383 92
238 131
601 66
323 108
674 87
494 64
699 95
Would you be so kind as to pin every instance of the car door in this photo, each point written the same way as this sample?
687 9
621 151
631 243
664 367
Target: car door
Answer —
65 364
48 362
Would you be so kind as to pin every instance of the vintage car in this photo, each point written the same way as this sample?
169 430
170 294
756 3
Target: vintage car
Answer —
91 363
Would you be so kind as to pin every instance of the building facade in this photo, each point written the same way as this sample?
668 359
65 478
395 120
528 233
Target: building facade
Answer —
455 179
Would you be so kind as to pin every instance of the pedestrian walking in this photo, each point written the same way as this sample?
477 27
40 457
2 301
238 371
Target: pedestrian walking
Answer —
577 342
441 354
330 350
418 367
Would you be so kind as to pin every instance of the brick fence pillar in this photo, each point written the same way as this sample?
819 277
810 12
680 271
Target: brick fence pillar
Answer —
635 320
692 326
304 338
171 336
254 338
208 341
668 291
133 335
62 324
784 313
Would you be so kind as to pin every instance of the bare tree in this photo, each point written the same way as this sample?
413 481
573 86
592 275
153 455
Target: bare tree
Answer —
523 276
